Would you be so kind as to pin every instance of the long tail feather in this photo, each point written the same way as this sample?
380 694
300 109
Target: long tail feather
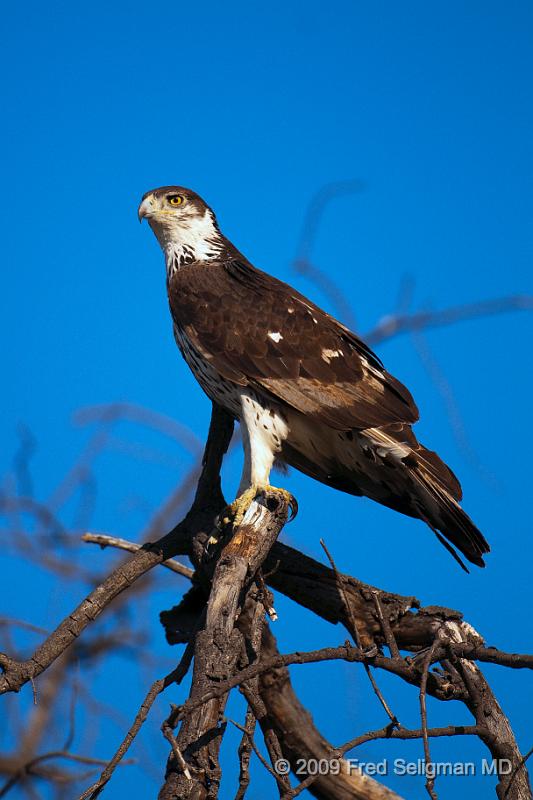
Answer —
446 517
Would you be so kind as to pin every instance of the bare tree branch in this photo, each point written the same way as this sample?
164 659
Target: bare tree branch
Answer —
132 547
396 324
222 617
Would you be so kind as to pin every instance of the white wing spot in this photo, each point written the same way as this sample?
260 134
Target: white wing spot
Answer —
275 336
290 310
327 355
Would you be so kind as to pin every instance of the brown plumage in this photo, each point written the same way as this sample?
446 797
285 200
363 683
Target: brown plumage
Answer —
337 414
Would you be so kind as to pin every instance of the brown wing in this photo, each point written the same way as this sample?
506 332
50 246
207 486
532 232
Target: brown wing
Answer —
259 332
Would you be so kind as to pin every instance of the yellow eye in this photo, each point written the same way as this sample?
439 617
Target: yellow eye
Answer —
175 199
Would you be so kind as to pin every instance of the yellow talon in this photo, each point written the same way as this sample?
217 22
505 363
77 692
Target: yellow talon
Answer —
236 511
287 496
241 504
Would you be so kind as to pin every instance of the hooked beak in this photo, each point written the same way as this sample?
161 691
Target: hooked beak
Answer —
147 207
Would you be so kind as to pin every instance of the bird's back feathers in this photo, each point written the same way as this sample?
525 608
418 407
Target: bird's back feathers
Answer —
349 419
261 333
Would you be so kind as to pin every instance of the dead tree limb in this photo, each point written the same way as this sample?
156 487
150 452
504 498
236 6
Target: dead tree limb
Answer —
198 523
218 646
395 324
302 743
211 618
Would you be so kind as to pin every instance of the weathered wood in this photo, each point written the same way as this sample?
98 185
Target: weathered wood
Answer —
218 647
301 741
383 619
494 727
314 586
196 527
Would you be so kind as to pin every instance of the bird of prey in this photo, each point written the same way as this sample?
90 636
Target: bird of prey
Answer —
305 389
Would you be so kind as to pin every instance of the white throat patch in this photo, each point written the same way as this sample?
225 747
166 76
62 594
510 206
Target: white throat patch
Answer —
188 238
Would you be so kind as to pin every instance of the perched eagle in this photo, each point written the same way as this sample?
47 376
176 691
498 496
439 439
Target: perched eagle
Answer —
305 389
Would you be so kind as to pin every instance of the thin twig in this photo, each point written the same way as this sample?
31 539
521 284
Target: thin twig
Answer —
270 737
387 732
254 747
93 791
339 579
396 324
430 779
385 624
303 260
444 388
20 623
245 750
156 688
169 736
350 654
124 544
27 768
409 733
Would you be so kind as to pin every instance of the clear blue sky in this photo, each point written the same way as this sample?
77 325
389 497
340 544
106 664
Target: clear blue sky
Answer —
256 107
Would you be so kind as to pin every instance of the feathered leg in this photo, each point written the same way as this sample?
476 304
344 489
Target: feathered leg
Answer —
264 430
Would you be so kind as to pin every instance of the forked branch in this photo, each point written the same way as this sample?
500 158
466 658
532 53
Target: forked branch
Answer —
222 620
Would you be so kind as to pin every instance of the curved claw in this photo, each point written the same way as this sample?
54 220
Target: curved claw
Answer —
289 499
234 513
209 547
293 508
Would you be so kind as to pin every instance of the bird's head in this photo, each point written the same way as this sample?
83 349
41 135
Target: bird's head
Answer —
184 225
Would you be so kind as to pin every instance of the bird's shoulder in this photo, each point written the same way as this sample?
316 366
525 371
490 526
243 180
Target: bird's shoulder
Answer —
248 322
254 302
